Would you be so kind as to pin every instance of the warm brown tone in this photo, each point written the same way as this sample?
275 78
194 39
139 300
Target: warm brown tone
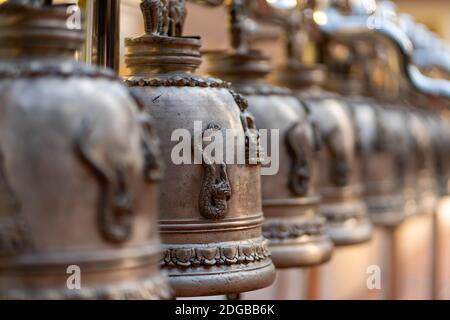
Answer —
77 170
295 229
211 213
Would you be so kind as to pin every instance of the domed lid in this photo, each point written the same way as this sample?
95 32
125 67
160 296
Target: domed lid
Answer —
27 29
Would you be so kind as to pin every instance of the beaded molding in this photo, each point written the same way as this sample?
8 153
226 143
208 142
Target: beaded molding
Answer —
279 230
154 288
180 80
208 256
65 69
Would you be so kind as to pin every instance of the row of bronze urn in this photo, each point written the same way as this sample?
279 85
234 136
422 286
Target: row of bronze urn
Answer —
86 164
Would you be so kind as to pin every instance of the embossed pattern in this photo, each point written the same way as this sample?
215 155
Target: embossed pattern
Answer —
216 255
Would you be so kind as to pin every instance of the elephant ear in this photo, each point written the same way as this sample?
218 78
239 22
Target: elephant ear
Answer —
314 122
153 162
254 154
341 157
115 201
381 142
297 143
13 237
90 149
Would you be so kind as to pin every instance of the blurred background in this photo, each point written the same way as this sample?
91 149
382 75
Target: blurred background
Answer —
346 275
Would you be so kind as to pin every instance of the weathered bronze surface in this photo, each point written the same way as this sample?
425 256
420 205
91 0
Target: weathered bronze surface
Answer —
77 170
211 214
293 224
381 140
341 184
426 182
440 129
381 156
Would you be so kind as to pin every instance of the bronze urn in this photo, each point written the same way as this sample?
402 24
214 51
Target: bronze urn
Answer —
440 131
78 161
426 182
291 201
382 143
341 184
382 153
211 214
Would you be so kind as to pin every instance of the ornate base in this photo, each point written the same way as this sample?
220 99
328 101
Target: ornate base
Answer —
427 202
153 288
348 222
291 254
217 269
386 211
102 275
298 242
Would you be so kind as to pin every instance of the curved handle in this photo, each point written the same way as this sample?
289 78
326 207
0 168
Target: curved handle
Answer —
430 58
429 50
363 27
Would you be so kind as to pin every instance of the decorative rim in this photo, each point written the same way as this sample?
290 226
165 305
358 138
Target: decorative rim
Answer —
65 69
221 254
178 80
153 288
292 229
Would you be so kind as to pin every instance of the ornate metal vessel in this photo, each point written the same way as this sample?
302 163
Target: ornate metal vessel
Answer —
411 88
340 180
77 170
211 213
382 143
293 224
440 132
426 181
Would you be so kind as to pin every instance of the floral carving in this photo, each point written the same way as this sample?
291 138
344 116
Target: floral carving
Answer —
216 255
279 230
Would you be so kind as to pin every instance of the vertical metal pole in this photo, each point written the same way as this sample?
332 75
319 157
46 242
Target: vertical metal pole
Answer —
87 9
107 33
435 255
235 296
392 285
112 58
313 287
102 26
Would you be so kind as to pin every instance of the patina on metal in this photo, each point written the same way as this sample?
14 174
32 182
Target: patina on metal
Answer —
78 165
382 143
211 213
293 224
411 86
341 184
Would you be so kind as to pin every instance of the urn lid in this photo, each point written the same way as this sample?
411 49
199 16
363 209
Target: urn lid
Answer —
299 75
26 29
235 65
158 54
